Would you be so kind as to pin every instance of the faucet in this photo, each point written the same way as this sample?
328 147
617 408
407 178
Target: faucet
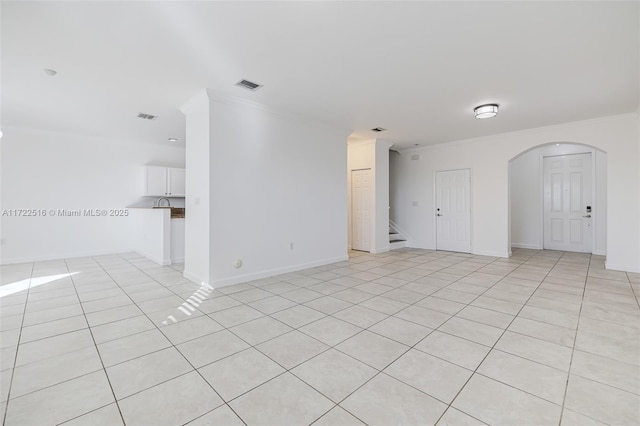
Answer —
163 198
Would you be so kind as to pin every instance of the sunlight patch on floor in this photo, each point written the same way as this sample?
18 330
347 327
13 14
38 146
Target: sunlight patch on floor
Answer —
18 286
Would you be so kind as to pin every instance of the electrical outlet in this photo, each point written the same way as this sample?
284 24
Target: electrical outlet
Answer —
290 246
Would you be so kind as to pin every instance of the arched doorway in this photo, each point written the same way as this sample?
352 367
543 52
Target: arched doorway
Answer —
541 216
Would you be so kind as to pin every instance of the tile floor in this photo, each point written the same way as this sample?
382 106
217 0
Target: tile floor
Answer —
411 337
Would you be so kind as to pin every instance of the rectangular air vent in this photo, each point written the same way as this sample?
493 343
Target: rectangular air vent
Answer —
147 116
249 85
378 129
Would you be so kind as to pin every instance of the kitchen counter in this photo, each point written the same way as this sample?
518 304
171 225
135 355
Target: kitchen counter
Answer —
159 233
176 212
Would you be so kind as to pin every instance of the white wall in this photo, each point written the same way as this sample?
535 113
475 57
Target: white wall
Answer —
49 170
526 195
392 187
524 190
197 200
275 180
488 158
381 235
600 220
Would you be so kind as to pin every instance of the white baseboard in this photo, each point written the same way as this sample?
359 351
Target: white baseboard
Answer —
224 282
624 268
504 254
192 277
93 253
397 245
539 247
418 246
526 246
381 250
163 262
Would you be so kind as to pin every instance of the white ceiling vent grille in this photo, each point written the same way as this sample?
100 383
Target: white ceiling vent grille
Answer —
147 116
249 85
378 129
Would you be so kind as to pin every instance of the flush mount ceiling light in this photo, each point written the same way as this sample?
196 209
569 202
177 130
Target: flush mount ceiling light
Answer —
173 139
486 111
50 72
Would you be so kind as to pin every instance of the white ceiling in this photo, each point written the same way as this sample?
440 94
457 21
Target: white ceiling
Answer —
415 68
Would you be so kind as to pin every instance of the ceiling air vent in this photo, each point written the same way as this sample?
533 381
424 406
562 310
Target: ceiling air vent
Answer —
147 116
378 129
249 85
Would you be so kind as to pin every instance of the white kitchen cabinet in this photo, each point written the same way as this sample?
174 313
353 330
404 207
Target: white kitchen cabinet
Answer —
162 181
155 181
176 179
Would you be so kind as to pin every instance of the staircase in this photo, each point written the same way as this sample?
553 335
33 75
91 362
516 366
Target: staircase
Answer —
396 240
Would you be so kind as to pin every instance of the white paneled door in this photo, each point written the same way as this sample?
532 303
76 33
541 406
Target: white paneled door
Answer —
567 203
453 211
361 209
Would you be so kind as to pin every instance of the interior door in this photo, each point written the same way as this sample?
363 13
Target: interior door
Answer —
567 203
361 209
453 211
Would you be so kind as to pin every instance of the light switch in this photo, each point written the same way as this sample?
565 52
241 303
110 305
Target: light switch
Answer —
416 204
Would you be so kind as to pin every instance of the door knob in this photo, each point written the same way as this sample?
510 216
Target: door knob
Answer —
587 215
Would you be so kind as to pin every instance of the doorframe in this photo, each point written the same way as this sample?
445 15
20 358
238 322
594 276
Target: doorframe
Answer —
595 207
435 206
350 215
